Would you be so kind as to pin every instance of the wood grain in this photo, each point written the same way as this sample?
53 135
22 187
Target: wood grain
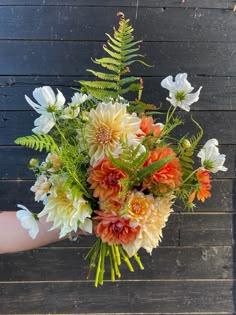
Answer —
73 58
183 263
124 296
87 23
229 4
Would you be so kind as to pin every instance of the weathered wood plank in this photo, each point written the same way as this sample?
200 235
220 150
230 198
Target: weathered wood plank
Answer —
142 296
229 4
88 23
73 58
207 229
68 264
217 93
12 127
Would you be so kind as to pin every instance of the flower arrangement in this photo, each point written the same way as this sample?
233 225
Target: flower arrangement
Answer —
113 166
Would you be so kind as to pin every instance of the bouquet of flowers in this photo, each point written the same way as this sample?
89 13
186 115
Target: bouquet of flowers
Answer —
113 167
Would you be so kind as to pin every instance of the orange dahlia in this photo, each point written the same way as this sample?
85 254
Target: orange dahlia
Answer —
112 205
147 126
169 176
204 180
104 179
113 229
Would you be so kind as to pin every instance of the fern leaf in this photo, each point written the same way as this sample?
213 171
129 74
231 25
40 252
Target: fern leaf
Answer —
38 142
99 94
99 84
115 42
148 171
104 76
111 53
121 51
107 60
128 80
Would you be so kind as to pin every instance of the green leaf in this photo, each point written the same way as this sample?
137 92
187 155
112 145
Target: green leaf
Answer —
128 80
104 76
38 142
99 84
112 54
107 60
114 41
148 171
101 94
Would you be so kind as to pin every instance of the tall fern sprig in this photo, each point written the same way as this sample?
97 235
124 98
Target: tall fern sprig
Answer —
122 52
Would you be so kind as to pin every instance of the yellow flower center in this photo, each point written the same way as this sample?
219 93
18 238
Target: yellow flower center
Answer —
103 135
138 207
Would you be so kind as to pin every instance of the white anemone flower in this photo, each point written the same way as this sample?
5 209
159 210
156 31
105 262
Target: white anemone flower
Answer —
180 91
48 103
28 221
211 159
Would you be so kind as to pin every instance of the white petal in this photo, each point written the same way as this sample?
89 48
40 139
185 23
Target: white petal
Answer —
27 221
60 100
43 124
44 96
39 109
168 83
87 226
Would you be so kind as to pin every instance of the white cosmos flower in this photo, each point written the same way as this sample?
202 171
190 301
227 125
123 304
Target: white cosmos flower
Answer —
72 111
48 103
180 91
79 98
211 159
27 221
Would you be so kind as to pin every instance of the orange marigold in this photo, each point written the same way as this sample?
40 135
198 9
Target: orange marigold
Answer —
204 180
113 229
169 176
104 179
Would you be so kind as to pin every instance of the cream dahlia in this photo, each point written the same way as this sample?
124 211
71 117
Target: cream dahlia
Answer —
109 123
151 214
67 212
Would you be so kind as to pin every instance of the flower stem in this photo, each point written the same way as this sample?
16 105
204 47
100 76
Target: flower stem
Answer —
126 259
138 260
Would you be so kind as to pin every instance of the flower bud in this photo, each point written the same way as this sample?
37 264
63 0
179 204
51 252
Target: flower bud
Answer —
84 117
33 163
186 144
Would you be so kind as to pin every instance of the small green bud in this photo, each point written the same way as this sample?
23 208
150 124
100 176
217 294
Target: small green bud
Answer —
186 144
33 163
84 117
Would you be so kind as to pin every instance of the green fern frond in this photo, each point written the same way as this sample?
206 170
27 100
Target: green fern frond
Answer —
122 52
148 171
38 142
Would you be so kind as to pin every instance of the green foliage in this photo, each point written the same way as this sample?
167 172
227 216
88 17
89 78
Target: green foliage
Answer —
186 154
38 142
131 162
149 170
122 52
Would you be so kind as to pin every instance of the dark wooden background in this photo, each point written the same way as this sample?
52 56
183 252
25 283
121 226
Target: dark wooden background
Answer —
50 42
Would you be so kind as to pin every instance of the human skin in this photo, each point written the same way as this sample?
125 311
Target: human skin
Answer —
14 238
